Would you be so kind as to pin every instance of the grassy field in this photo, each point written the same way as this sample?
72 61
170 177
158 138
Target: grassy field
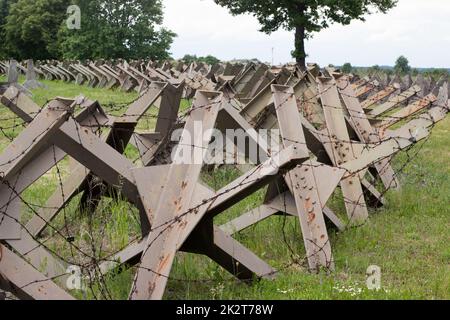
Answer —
408 238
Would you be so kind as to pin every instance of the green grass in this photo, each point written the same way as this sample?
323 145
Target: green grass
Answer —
408 238
71 90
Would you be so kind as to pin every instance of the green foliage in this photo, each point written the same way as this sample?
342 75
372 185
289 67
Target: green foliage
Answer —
314 15
402 65
375 68
31 28
305 16
189 58
347 67
437 73
110 29
4 10
210 60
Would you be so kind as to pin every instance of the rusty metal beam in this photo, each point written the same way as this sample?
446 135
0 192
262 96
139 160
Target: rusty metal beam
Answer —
26 281
360 123
301 181
393 102
342 149
406 112
21 151
152 275
380 95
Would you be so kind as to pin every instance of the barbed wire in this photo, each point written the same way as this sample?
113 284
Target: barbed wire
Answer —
98 284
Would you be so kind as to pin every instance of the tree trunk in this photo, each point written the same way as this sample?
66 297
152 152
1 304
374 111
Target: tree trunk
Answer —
300 54
300 35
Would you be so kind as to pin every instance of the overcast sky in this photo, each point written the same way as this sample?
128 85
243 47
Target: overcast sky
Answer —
418 29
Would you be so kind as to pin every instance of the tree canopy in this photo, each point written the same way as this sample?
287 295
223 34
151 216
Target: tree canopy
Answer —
127 29
347 67
402 65
305 16
4 10
30 28
209 59
118 29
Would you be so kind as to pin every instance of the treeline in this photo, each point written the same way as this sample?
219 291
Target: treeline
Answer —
401 67
110 29
189 58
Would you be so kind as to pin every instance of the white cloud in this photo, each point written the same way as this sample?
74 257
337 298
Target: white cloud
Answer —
417 29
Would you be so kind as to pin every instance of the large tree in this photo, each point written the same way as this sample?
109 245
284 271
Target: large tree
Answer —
31 27
305 16
128 29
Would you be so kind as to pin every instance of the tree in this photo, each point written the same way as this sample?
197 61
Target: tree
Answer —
189 58
113 29
402 65
347 67
31 28
305 16
211 60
